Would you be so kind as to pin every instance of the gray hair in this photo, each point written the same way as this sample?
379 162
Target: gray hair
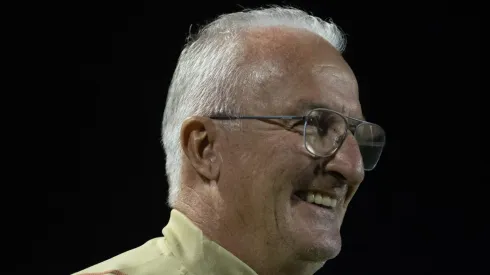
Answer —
208 77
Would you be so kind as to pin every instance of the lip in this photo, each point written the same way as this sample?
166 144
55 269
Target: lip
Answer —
333 194
322 212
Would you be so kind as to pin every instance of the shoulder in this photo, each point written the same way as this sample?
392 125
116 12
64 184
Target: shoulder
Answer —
153 257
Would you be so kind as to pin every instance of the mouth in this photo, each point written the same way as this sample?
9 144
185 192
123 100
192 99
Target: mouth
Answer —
316 199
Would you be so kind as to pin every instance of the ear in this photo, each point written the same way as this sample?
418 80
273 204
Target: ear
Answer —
198 141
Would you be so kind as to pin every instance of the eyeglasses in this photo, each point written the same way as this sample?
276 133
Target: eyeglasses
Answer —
325 130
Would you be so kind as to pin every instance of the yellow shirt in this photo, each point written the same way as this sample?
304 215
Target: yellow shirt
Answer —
183 250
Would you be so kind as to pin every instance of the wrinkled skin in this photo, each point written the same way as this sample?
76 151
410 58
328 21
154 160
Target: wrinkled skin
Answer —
238 185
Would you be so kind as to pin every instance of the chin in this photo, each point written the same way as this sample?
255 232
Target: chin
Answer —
313 231
321 251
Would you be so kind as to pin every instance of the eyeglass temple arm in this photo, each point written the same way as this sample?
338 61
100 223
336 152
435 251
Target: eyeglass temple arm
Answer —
257 117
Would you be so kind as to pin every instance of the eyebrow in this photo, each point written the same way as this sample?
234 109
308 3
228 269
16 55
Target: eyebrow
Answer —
304 107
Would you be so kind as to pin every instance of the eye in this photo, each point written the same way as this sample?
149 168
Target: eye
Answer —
322 131
298 124
315 127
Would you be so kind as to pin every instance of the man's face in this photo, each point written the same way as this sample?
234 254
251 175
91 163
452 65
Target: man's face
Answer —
266 168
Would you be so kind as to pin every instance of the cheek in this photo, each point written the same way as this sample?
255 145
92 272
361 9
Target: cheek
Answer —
265 166
245 172
286 163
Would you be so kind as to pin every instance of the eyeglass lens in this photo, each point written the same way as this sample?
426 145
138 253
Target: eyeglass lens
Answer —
325 130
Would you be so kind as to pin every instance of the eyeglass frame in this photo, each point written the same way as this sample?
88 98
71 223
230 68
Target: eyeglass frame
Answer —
304 117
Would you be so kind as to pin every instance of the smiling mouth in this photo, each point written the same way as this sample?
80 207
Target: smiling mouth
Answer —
317 199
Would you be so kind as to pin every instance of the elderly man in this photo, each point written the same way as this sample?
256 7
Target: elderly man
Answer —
266 145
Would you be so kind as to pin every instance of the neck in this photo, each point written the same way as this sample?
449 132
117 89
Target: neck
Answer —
253 246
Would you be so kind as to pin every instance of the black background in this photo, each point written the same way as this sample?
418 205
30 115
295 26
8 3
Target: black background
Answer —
418 69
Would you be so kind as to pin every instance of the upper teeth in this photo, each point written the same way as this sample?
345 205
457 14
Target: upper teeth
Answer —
317 198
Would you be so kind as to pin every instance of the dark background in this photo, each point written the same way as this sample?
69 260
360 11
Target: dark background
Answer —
417 65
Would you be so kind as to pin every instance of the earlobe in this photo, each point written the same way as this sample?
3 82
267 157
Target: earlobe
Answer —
198 141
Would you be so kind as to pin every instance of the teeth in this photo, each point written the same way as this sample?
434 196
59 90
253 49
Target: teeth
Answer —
320 199
310 197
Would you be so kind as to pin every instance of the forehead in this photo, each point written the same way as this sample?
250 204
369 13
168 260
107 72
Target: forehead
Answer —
326 87
300 70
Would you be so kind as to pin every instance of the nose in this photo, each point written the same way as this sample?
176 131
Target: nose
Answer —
347 162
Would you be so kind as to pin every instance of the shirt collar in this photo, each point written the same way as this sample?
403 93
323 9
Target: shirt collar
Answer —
198 253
